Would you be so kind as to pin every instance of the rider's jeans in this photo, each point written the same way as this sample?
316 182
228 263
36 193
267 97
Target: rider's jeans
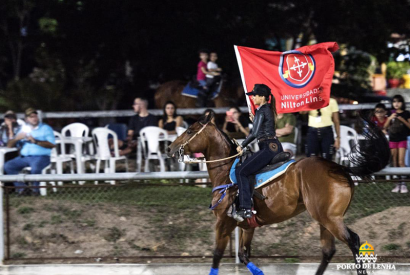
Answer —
320 140
268 150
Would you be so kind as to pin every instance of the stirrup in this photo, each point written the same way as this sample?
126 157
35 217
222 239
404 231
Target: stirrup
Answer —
243 214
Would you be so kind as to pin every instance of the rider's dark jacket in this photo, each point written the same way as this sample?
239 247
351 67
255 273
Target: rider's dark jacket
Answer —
263 125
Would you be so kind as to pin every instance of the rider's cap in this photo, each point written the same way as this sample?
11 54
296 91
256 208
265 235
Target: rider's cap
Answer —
260 90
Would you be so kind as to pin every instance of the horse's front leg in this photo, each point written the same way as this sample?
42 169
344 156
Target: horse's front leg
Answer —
223 229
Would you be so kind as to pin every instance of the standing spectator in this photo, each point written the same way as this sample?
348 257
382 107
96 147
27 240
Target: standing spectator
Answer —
398 125
9 128
37 140
285 131
235 125
140 120
379 116
170 120
320 138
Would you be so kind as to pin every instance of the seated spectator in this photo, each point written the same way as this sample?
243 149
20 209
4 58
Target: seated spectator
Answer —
9 128
37 139
380 116
236 125
140 120
285 131
170 120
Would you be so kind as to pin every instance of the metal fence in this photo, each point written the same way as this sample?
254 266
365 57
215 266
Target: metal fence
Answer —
187 111
166 220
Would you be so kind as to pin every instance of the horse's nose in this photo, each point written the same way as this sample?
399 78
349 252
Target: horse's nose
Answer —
168 150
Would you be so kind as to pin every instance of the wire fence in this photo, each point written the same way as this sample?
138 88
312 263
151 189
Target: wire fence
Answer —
168 220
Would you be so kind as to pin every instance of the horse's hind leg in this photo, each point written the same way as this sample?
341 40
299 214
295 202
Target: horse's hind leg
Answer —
343 233
245 245
245 250
327 241
224 228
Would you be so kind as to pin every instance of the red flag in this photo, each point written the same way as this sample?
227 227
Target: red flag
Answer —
300 80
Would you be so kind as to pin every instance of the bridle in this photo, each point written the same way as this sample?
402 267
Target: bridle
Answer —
186 159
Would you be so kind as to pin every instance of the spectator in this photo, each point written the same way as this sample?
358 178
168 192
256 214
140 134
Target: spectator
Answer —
37 140
170 120
379 116
9 128
213 75
202 65
398 125
235 125
320 138
140 120
285 131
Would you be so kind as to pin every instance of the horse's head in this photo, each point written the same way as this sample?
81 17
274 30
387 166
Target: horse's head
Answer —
193 140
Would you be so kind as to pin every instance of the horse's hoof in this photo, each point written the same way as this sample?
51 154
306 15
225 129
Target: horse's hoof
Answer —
254 269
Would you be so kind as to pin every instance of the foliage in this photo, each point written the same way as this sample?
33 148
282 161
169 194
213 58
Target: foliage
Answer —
354 69
396 69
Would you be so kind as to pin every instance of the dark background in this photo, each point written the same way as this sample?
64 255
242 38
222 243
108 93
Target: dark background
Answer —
72 55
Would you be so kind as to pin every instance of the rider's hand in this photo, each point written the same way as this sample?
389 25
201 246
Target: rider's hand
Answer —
239 150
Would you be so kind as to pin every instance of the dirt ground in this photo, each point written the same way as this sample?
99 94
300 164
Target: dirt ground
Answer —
49 228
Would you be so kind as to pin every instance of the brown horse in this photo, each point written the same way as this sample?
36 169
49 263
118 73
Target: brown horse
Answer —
228 96
323 188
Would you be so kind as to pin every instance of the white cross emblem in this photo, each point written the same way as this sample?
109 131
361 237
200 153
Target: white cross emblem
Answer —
297 68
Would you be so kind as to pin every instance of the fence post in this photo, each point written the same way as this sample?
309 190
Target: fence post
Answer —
237 245
1 226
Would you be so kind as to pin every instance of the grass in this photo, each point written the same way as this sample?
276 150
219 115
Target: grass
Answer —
25 210
114 234
391 247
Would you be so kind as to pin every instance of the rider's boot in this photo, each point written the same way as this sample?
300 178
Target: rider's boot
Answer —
245 213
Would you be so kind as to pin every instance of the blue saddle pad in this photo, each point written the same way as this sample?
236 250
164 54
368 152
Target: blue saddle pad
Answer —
193 92
262 178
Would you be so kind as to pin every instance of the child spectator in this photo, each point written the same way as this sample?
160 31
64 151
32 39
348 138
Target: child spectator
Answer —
380 116
235 125
213 75
398 125
170 120
202 65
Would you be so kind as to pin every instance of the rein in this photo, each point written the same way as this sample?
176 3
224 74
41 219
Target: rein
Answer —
186 159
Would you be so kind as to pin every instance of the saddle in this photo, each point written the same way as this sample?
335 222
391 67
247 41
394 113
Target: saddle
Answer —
276 167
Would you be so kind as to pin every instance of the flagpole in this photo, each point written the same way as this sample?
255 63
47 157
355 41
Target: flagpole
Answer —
238 58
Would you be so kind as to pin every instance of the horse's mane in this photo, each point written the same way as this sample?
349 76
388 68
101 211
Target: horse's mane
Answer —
227 139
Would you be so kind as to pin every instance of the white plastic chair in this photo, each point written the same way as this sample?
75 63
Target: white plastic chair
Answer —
151 135
100 137
348 139
185 124
76 130
180 130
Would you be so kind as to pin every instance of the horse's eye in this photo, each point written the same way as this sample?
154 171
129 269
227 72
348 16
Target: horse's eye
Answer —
189 132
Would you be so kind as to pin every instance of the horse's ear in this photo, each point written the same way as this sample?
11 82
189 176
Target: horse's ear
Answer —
206 118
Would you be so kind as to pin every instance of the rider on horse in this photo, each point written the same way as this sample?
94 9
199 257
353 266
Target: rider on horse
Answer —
264 131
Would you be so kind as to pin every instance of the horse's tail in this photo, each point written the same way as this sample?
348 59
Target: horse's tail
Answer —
371 156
